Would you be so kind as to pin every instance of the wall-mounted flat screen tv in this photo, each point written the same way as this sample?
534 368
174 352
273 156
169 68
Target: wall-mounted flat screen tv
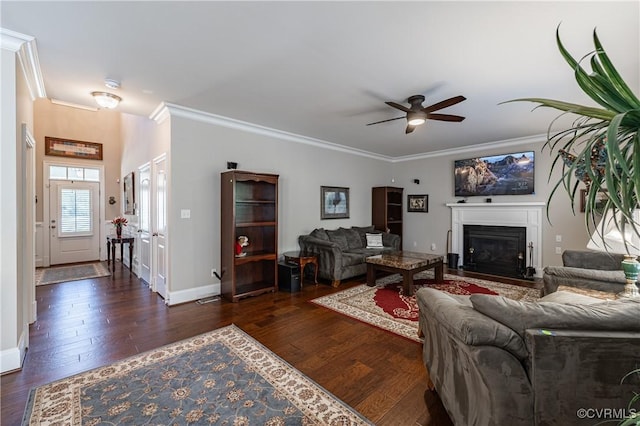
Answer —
507 174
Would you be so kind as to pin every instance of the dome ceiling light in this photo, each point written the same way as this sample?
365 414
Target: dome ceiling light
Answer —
106 99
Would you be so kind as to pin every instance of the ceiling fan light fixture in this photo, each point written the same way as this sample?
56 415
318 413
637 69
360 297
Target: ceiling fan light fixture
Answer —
106 100
415 118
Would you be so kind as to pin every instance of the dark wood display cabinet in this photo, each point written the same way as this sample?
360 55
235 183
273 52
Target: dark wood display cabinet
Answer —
249 207
386 209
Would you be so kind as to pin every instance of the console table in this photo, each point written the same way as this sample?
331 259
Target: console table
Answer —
112 240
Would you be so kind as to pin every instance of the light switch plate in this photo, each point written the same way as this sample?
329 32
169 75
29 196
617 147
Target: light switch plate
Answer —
185 213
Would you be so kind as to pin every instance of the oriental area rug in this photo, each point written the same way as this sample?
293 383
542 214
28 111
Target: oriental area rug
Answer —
221 377
385 306
60 274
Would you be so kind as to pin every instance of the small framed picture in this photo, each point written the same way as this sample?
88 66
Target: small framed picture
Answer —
601 199
418 203
334 202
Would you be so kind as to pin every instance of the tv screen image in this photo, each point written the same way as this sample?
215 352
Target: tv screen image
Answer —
507 174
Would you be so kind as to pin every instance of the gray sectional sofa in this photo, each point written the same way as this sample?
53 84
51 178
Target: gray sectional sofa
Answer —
342 252
496 361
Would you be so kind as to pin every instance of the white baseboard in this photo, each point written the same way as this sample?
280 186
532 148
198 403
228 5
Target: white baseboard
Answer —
193 294
11 359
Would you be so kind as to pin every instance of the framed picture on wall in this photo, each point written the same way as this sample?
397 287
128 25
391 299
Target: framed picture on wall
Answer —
129 194
418 203
73 149
334 202
601 199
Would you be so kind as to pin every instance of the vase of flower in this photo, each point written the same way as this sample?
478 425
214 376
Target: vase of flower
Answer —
118 223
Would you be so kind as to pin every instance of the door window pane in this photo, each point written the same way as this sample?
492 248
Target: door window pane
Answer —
74 173
57 172
75 212
92 175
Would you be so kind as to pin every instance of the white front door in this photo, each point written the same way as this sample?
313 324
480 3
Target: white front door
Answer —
159 270
145 223
74 217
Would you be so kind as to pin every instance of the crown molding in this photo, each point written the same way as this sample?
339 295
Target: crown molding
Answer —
474 148
164 110
25 48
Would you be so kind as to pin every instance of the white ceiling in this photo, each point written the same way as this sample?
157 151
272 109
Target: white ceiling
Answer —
324 69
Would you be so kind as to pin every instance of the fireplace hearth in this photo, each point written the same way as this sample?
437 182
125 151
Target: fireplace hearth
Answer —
497 250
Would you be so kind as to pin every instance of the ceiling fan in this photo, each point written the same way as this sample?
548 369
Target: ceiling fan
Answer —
417 114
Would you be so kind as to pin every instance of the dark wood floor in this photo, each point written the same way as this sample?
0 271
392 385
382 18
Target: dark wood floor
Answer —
86 324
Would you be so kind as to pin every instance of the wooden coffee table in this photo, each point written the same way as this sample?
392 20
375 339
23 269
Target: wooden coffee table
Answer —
406 263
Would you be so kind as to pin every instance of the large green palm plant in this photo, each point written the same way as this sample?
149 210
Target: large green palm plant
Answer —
604 140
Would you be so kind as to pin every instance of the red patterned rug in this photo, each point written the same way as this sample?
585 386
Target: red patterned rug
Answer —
385 306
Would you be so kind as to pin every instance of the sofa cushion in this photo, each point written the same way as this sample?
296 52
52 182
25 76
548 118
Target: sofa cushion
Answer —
338 236
353 238
596 260
586 274
362 231
569 297
320 234
617 315
457 316
374 240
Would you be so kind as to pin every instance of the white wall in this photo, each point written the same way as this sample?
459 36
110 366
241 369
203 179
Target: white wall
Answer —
15 110
436 180
199 153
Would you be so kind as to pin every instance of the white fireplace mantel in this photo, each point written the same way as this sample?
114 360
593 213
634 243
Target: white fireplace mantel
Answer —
527 214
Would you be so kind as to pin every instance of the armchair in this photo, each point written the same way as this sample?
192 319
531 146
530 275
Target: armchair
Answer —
586 269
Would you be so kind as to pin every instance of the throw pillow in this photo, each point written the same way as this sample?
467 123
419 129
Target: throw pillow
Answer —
319 233
338 237
353 238
374 241
618 315
362 231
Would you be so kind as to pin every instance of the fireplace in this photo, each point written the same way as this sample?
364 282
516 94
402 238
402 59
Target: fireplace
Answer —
528 215
497 250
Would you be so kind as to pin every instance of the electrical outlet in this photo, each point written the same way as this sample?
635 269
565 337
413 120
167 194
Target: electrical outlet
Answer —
415 244
558 250
213 272
433 246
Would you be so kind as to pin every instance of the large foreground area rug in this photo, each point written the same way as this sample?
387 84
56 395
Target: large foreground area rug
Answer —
59 274
222 377
385 306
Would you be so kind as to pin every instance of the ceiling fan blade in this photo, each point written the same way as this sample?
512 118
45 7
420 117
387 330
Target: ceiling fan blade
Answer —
444 104
445 117
398 106
409 129
384 121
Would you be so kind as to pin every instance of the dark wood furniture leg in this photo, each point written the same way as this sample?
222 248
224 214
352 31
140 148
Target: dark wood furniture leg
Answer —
108 253
130 257
407 282
439 272
113 255
371 274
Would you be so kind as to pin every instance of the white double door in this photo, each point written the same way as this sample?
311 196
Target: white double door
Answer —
74 216
153 225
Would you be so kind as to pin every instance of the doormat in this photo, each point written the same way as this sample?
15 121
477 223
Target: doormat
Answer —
59 274
385 307
222 377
